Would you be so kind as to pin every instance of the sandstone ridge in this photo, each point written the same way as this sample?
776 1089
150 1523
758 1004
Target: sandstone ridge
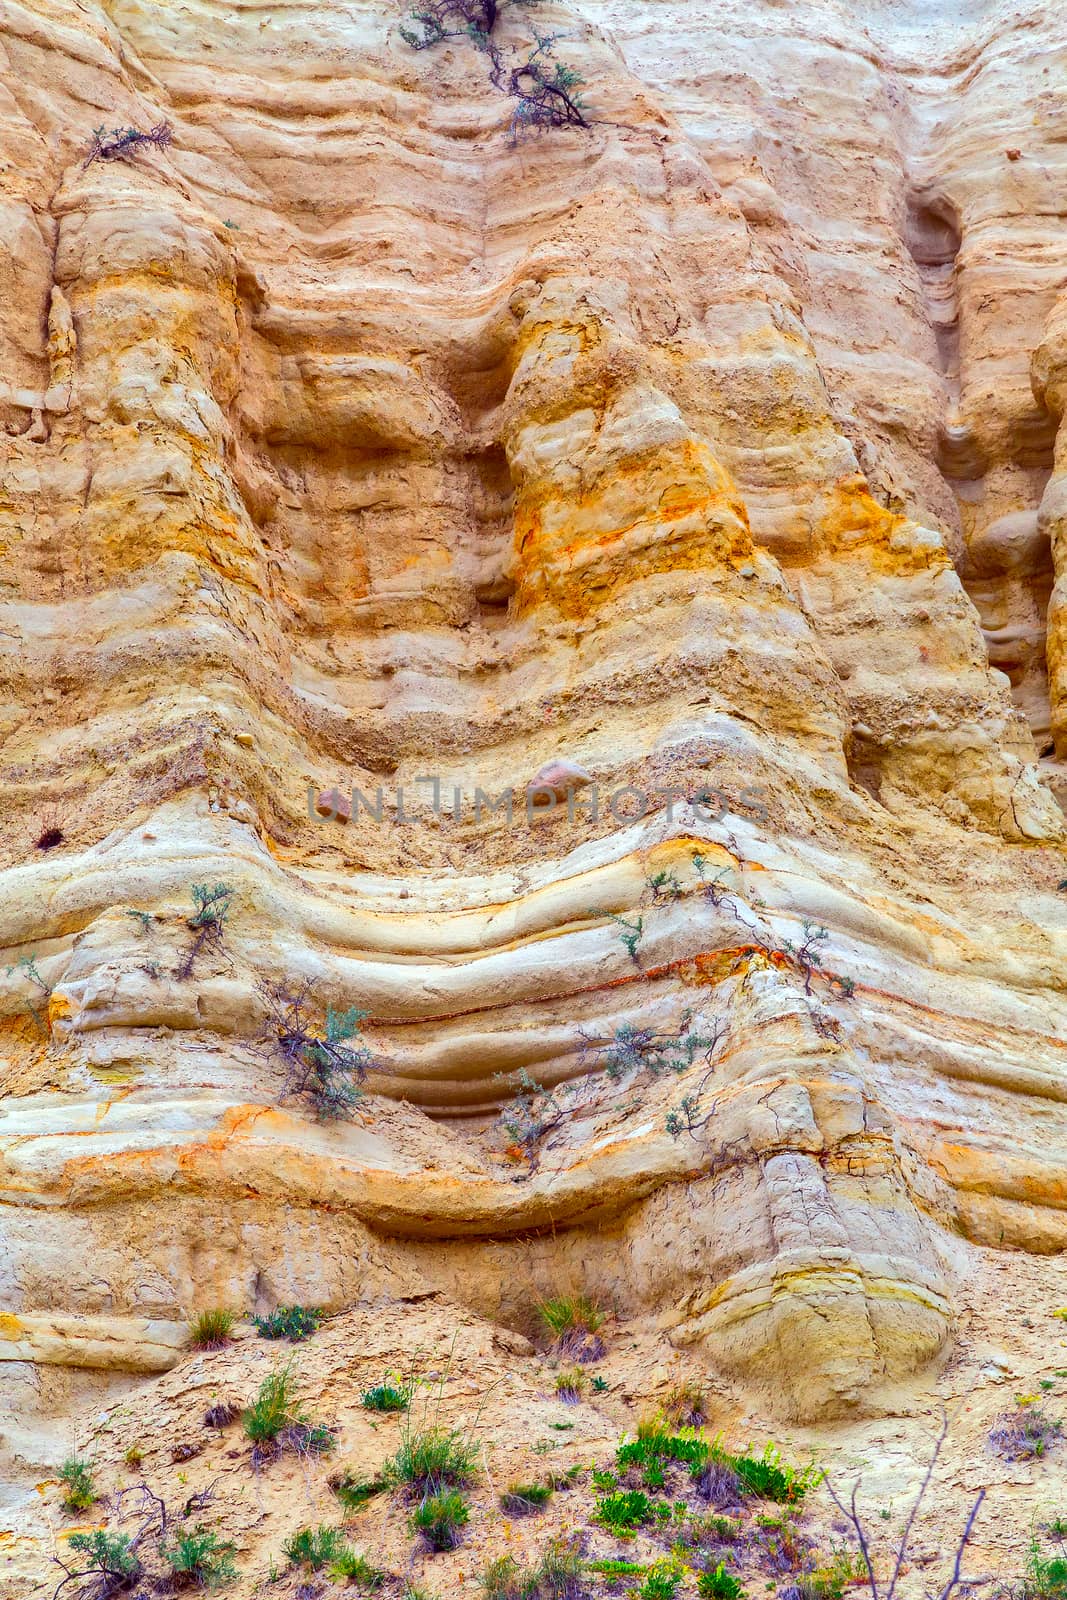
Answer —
702 470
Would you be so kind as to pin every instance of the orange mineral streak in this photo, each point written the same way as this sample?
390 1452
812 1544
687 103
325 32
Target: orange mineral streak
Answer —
849 520
1021 1177
672 509
59 1006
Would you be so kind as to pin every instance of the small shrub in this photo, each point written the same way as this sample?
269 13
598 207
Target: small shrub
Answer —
685 1405
623 1511
558 1574
1025 1433
719 1584
109 1555
352 1568
531 1115
440 1520
504 1579
600 1385
273 1409
133 1457
289 1322
200 1557
1046 1577
309 1438
772 1478
274 1421
115 144
212 906
28 965
545 91
386 1397
221 1414
572 1322
323 1064
630 936
664 887
660 1585
629 1050
431 1460
525 1499
79 1491
354 1492
211 1329
570 1385
315 1547
654 1445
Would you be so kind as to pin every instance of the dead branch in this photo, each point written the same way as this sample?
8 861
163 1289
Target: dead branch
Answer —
116 144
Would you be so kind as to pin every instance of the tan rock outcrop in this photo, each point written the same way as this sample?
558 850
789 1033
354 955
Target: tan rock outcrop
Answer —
353 445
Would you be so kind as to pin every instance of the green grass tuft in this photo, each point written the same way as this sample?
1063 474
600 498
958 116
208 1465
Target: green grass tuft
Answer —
571 1385
200 1557
624 1510
275 1420
352 1568
273 1409
315 1547
432 1459
387 1396
718 1584
354 1492
211 1329
556 1576
570 1314
440 1519
524 1499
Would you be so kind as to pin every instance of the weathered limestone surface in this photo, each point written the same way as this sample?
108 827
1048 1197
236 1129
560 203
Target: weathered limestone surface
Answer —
349 443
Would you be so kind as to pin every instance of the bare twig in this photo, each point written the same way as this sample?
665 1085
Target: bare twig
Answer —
853 1516
906 1536
955 1578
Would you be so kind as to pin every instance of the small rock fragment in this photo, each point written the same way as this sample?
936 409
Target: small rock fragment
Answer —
333 804
558 779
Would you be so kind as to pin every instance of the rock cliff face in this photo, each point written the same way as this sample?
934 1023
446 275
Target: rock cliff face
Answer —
717 450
